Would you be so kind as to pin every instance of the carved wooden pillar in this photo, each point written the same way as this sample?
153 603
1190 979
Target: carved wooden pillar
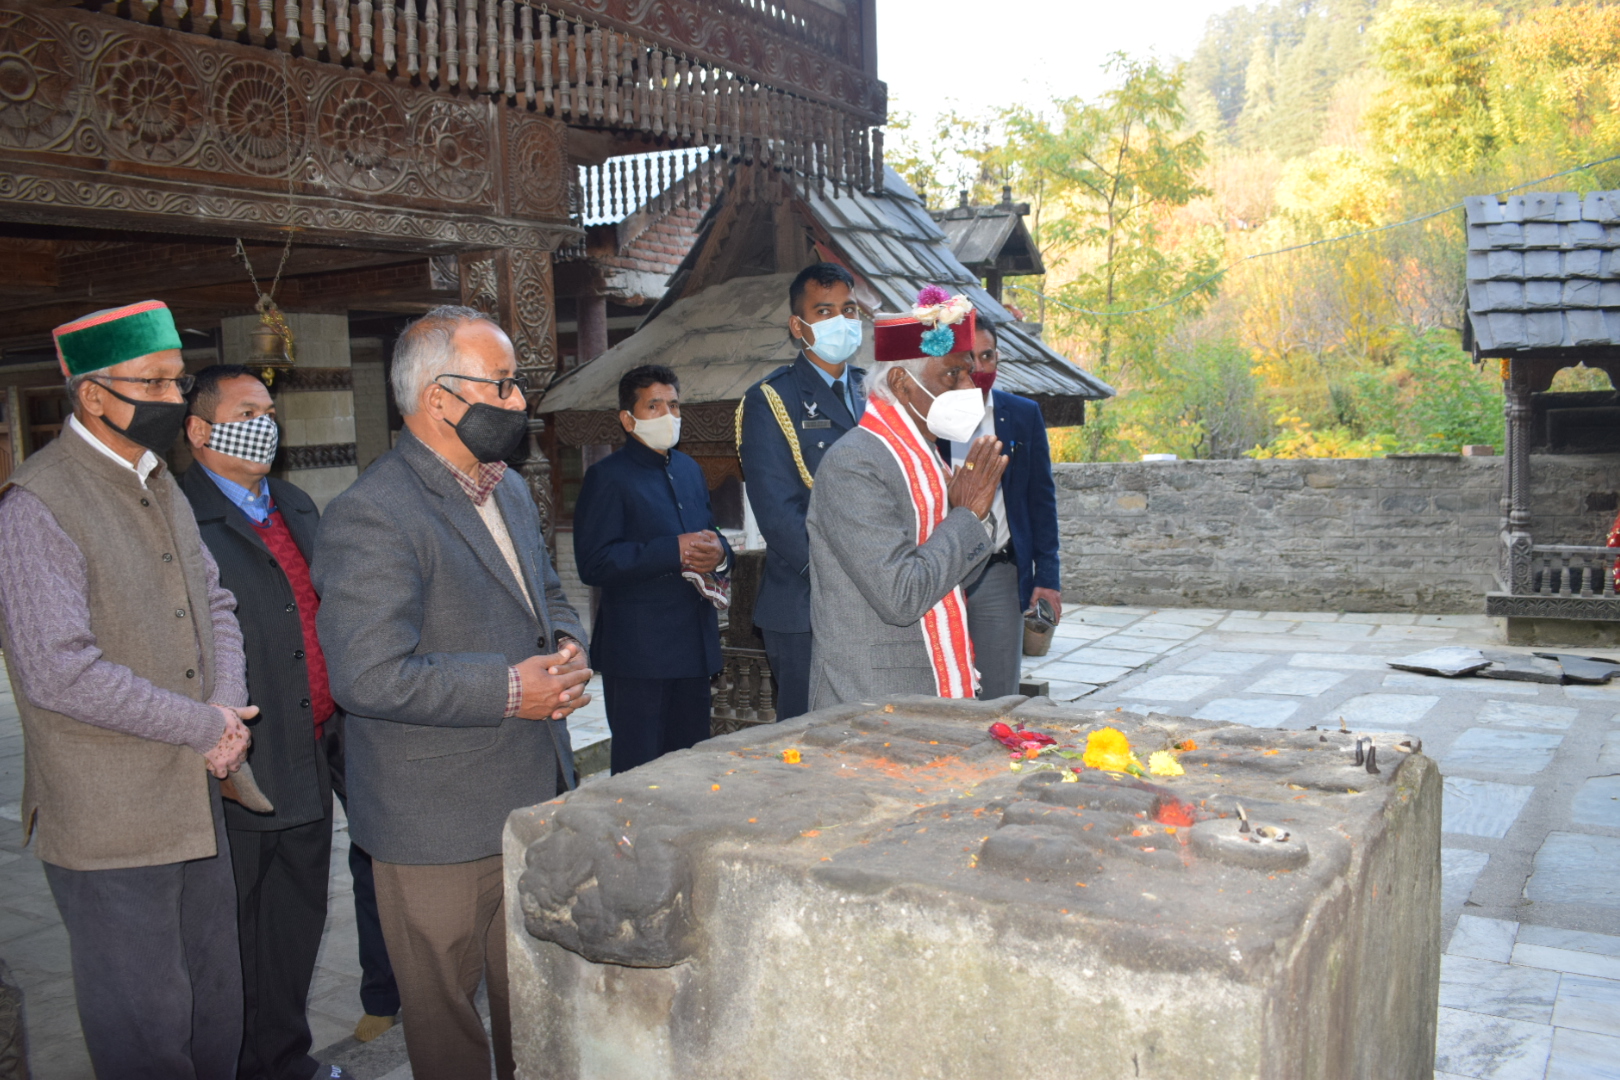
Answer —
593 328
1516 484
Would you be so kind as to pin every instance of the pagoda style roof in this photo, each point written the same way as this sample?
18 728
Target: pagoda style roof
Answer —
1543 272
737 327
991 238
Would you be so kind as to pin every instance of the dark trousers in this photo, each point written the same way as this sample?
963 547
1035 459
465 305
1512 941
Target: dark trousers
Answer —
379 995
789 655
281 879
653 717
156 969
996 625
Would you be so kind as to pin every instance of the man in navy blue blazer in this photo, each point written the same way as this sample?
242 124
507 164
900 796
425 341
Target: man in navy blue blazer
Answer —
822 396
641 523
1024 566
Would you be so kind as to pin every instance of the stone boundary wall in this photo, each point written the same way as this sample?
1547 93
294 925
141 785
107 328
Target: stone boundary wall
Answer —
1374 534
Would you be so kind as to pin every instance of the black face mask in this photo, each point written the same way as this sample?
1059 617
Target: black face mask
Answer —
489 432
156 424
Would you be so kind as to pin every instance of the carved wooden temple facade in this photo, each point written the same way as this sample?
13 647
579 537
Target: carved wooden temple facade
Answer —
1544 295
369 159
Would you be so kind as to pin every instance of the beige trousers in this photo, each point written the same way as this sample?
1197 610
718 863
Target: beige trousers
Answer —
445 927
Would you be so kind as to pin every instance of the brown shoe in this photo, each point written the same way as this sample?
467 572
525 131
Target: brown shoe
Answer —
370 1027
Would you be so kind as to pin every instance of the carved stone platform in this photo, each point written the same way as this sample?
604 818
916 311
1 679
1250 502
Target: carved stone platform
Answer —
900 903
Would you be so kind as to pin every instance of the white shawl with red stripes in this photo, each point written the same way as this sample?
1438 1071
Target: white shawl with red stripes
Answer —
944 625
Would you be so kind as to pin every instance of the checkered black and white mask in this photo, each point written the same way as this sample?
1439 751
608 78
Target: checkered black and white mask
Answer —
250 440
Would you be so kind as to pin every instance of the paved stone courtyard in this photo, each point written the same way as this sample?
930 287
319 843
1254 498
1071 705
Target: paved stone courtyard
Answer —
1530 986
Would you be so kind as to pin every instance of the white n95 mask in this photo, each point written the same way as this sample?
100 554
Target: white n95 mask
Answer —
250 440
837 338
660 433
955 414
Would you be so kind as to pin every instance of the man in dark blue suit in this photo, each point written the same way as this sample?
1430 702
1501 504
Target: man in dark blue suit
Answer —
789 419
644 535
1024 567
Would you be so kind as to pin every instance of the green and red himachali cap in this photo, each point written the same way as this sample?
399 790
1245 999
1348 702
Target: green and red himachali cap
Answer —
104 338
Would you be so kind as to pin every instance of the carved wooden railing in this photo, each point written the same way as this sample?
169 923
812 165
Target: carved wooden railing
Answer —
618 187
706 78
1567 570
744 693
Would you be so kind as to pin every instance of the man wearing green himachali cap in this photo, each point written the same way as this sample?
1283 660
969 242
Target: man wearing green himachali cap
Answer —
126 661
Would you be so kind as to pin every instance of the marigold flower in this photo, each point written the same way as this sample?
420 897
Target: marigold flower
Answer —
790 756
1110 750
1163 763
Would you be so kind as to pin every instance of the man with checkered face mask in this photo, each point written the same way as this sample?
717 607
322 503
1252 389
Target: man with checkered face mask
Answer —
261 531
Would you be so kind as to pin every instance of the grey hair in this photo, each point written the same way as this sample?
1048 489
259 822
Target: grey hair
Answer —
425 349
878 387
74 382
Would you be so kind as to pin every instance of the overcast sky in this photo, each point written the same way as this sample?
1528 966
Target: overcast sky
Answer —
936 53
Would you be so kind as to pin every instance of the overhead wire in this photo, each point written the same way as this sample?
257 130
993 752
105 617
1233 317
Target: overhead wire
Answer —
1223 271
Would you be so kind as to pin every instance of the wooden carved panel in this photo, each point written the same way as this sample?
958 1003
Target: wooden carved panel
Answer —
728 36
81 91
514 286
536 148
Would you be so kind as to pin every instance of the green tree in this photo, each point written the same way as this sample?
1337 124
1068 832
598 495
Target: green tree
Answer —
1434 118
1109 172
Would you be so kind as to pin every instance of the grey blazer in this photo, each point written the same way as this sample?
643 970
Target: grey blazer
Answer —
420 619
870 584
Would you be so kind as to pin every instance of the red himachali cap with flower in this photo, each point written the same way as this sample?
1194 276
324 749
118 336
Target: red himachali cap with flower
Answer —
939 323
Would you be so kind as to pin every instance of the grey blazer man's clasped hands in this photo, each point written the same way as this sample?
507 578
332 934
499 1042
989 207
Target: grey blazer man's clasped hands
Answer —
420 620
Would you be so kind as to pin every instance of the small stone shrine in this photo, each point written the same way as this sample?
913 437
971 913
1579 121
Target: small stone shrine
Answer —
877 891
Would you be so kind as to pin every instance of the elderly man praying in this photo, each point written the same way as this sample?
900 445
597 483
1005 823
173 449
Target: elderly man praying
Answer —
126 661
893 532
453 651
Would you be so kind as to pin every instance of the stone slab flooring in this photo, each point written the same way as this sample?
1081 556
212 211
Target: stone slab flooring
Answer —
1531 978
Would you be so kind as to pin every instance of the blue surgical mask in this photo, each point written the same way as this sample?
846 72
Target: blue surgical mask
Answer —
837 338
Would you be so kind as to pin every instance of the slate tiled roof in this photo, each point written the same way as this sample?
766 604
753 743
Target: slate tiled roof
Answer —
1544 271
979 236
894 243
723 338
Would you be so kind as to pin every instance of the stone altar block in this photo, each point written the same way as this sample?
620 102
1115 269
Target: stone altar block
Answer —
900 903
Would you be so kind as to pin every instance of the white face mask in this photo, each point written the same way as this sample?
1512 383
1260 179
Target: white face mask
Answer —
250 440
836 339
955 414
660 433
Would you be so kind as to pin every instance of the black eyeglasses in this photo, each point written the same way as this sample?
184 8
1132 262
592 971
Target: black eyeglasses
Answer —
503 387
154 387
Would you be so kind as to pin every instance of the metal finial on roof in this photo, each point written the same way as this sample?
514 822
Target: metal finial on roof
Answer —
964 199
1006 194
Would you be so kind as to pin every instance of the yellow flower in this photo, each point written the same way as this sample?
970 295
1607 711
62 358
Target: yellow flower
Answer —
1162 763
790 756
1110 750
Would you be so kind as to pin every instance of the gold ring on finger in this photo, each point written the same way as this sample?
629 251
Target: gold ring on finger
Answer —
968 465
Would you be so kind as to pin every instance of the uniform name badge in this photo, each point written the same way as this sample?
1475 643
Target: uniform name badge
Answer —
811 420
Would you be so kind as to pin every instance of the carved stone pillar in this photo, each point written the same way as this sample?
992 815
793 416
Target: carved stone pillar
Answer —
1516 493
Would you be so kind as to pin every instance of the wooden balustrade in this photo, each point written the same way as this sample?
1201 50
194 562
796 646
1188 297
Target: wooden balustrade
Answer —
1567 570
744 693
576 69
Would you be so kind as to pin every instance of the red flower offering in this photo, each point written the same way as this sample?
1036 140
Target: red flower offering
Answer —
1020 739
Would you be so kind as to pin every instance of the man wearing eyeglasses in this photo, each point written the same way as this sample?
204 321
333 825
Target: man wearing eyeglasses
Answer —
456 658
127 665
